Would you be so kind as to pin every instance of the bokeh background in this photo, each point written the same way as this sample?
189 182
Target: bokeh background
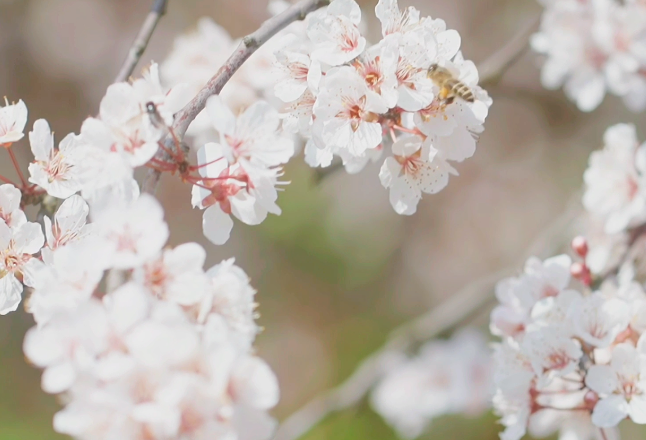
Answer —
339 269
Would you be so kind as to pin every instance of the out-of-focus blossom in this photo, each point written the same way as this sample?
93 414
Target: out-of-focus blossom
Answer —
448 377
621 386
616 181
594 47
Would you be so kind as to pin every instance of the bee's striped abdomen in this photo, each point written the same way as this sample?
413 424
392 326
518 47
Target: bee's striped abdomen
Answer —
461 90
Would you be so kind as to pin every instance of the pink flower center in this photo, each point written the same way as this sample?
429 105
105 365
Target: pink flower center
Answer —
225 186
57 168
411 165
405 74
126 241
298 71
558 360
349 41
629 386
12 261
156 277
355 113
549 291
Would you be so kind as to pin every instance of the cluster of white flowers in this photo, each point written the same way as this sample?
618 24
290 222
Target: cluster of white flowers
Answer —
165 355
446 377
167 352
103 157
567 356
615 201
239 173
354 100
196 57
138 339
574 359
594 46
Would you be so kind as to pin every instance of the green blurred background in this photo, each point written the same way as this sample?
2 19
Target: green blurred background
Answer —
339 269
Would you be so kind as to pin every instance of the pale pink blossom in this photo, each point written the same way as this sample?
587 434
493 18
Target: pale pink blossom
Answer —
13 118
55 170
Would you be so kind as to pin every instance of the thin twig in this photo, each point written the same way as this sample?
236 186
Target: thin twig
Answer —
23 181
245 49
494 67
138 47
453 312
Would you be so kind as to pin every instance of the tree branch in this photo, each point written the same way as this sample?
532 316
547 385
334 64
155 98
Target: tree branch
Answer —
138 47
245 49
494 67
453 312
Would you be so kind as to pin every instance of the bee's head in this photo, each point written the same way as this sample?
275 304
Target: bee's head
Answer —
433 68
151 107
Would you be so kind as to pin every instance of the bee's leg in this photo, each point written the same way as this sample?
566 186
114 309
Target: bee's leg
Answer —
449 100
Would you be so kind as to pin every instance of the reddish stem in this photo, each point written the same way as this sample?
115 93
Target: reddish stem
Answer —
197 167
15 164
407 130
393 135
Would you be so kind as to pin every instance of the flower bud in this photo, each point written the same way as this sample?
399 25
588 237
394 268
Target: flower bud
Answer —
580 246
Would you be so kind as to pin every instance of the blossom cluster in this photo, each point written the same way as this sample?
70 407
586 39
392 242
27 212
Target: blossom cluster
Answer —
133 118
573 356
446 377
615 203
593 47
567 355
165 355
354 101
197 55
138 338
240 172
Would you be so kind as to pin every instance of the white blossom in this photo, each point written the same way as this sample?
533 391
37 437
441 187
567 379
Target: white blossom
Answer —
347 113
125 127
241 189
445 378
132 234
17 247
412 170
598 320
252 136
621 387
335 34
592 47
615 181
70 223
13 118
55 170
10 211
177 275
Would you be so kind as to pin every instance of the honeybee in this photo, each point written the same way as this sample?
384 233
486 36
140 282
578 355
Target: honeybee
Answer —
450 86
155 118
